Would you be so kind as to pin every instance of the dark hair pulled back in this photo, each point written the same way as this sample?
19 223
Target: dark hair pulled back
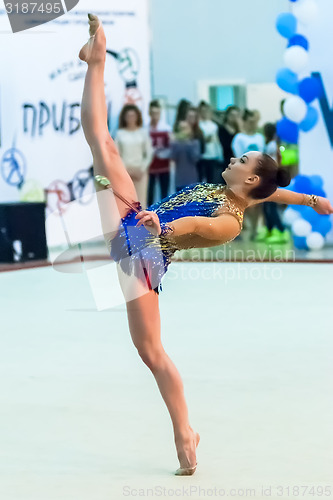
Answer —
271 177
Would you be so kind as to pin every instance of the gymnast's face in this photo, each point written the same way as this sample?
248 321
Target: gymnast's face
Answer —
240 170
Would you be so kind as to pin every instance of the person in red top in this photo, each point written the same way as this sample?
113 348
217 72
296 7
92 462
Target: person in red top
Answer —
159 170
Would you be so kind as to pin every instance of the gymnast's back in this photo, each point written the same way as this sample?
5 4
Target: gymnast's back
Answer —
199 199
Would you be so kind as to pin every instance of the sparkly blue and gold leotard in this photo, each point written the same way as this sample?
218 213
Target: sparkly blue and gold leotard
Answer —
148 256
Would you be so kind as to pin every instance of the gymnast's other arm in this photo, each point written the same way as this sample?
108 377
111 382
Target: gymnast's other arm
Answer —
222 228
287 197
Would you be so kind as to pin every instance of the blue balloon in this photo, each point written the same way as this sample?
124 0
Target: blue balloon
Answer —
287 80
307 213
300 242
309 89
322 225
293 0
299 40
318 191
310 120
286 24
314 218
287 130
303 184
317 182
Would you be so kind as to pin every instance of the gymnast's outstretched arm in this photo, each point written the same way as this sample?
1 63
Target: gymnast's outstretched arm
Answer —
287 197
226 226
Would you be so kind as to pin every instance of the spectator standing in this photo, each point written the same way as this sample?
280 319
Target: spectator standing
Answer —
135 148
185 151
192 118
159 170
274 231
250 140
182 109
209 165
227 131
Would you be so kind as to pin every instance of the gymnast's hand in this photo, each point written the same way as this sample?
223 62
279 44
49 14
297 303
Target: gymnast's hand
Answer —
150 220
323 206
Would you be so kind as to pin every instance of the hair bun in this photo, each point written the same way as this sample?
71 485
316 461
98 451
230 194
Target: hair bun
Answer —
283 177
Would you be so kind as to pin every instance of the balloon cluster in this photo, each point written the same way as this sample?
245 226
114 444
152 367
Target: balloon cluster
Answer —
297 109
309 229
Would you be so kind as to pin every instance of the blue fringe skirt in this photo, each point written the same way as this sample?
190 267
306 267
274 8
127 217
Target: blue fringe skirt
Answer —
139 252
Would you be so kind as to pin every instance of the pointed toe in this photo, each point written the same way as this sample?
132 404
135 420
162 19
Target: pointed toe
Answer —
186 471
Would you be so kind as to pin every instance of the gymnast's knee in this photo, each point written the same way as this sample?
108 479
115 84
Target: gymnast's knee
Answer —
153 357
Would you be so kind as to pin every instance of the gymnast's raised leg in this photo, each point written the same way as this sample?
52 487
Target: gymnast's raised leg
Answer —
143 312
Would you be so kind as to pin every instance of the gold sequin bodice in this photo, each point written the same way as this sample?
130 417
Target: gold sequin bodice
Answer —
199 199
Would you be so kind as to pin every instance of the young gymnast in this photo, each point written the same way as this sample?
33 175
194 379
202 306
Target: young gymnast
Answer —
200 215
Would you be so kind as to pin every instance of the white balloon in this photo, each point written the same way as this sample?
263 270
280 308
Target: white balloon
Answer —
290 215
315 241
301 227
295 109
306 11
296 58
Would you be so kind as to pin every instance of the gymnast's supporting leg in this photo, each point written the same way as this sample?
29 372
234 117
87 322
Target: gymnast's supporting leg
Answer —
145 327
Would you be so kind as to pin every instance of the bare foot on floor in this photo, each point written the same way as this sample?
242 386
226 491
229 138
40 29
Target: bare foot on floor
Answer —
94 51
186 450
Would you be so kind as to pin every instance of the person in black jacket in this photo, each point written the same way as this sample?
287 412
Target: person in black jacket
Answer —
228 130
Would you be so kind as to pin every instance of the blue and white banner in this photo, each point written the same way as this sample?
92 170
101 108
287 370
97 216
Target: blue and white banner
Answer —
42 146
316 146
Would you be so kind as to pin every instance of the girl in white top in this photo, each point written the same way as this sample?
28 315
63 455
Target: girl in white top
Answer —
213 149
135 148
249 140
209 166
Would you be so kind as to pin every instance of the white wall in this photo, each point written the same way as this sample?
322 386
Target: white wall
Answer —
196 40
